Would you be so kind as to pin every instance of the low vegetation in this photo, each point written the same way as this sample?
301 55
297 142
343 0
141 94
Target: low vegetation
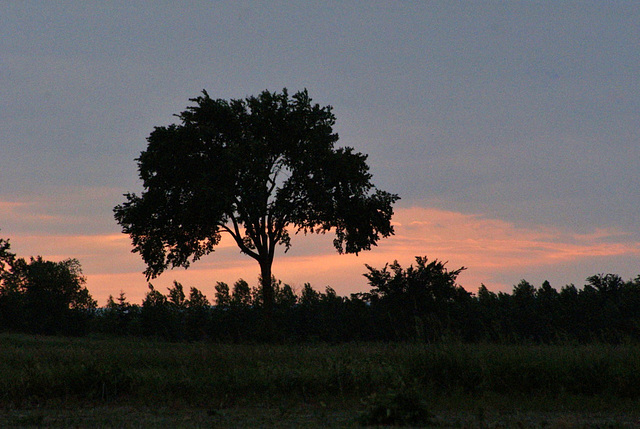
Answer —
368 383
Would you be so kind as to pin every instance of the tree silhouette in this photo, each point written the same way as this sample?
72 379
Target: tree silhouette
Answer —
256 169
415 298
6 257
48 297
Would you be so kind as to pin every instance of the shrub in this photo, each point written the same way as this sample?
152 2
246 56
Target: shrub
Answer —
396 407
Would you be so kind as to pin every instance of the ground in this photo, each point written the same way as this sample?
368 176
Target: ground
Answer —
299 416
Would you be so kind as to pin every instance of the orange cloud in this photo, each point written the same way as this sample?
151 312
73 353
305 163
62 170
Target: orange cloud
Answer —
13 209
492 249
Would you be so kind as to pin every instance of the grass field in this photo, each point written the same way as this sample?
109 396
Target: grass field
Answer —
91 382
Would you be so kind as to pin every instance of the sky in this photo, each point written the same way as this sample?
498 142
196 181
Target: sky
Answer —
510 130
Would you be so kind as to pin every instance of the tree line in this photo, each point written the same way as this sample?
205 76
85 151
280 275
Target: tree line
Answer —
420 303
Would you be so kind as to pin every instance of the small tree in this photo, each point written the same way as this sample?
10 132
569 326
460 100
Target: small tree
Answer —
197 299
309 296
176 297
120 315
197 319
11 294
285 295
241 296
155 313
223 298
6 257
418 297
424 285
255 169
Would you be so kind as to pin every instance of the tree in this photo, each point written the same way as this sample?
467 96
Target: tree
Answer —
11 297
285 295
426 284
119 315
241 295
6 257
42 296
197 315
156 314
176 296
255 169
223 298
50 296
309 296
416 298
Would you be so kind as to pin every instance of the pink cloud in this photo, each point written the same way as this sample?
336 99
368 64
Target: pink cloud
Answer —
492 249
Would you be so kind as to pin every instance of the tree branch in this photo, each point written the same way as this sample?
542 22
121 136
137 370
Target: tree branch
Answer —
237 236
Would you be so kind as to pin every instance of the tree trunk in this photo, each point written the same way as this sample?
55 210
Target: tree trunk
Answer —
268 299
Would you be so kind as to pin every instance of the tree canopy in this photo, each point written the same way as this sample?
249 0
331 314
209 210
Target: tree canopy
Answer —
255 168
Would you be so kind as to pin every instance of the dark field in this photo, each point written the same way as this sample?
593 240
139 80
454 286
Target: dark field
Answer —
89 382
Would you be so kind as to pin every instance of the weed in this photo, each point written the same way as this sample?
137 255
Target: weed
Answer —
396 407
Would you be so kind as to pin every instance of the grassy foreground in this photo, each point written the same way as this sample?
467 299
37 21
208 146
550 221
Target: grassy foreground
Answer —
83 382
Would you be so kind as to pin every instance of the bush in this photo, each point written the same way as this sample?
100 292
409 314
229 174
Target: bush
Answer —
396 407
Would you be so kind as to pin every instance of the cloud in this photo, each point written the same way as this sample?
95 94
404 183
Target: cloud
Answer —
68 210
22 211
496 253
493 250
490 247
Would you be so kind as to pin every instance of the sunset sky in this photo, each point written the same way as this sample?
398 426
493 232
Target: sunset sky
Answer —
511 130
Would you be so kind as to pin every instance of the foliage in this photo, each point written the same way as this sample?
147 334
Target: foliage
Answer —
255 169
242 296
42 296
6 257
197 315
120 317
424 284
223 298
420 301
